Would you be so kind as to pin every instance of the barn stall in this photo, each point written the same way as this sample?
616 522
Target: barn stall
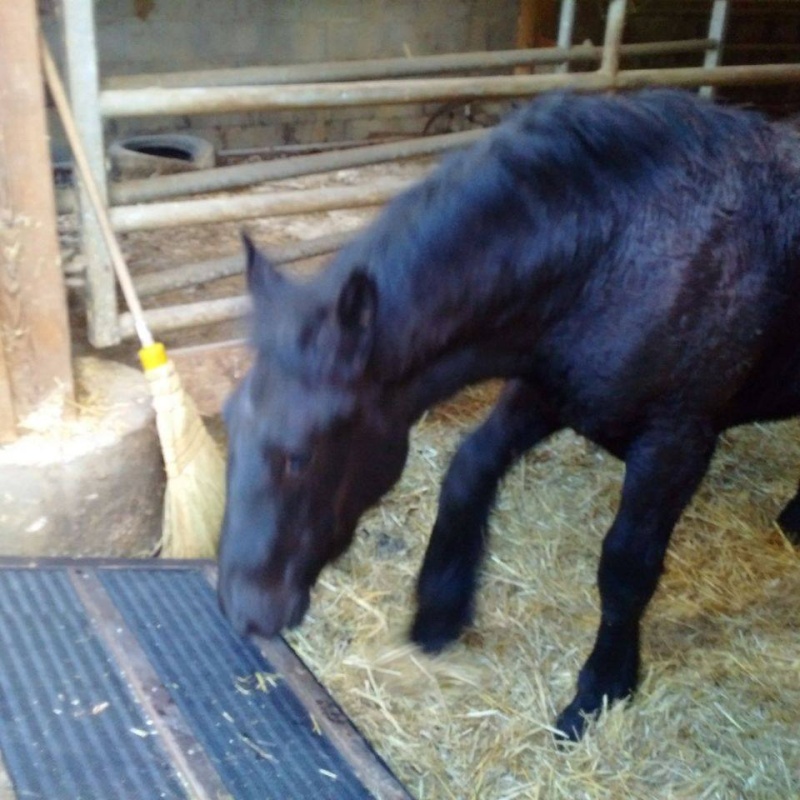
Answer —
716 715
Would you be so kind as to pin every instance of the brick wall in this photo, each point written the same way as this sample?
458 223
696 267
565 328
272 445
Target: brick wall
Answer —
136 36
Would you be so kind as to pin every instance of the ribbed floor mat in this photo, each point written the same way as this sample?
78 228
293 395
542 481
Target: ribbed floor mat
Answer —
126 682
68 726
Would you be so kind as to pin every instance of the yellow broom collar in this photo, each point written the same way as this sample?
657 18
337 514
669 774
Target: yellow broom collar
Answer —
152 356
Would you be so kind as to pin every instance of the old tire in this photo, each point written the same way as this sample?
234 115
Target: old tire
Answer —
159 154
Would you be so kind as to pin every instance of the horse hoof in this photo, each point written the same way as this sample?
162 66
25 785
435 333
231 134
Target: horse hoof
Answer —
435 631
571 724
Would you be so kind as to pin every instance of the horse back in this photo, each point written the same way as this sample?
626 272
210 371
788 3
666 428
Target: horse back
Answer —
689 295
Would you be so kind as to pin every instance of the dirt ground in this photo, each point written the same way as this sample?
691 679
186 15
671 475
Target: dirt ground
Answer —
718 712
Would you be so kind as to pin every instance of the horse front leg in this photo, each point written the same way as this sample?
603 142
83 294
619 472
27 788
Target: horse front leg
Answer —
447 581
662 471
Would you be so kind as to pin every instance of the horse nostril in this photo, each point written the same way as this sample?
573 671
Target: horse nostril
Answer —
252 608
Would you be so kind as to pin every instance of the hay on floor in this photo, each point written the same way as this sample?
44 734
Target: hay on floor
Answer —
718 711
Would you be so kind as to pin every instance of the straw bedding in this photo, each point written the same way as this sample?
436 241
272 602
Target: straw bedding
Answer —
718 711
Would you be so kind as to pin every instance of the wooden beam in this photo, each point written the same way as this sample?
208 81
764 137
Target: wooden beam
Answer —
36 363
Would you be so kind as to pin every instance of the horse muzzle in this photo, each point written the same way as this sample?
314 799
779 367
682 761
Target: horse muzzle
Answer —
253 609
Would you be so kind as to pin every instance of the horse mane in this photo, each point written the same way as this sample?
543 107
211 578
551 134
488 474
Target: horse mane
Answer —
559 153
541 193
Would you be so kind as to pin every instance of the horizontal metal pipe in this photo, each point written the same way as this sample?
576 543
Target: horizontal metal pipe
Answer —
307 148
226 209
394 67
238 175
690 77
173 318
168 279
141 102
138 191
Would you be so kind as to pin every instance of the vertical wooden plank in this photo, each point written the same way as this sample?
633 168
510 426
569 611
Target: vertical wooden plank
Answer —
84 90
34 330
526 24
536 21
717 25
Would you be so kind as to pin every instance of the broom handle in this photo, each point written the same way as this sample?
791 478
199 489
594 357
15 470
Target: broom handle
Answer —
112 244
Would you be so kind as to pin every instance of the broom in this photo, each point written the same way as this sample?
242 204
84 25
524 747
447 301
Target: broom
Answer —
195 493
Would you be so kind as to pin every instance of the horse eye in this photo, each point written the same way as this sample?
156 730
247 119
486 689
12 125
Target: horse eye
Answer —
294 465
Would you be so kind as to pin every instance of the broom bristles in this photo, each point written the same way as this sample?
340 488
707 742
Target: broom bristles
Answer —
194 500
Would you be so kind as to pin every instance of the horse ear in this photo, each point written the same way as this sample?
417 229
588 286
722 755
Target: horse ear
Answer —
358 300
262 277
355 315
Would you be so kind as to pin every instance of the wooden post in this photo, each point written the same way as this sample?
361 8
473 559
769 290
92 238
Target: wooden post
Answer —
35 361
526 28
84 89
534 17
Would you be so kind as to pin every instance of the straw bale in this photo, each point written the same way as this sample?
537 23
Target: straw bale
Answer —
718 711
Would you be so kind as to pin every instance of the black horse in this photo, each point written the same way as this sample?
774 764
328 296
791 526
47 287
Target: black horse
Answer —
630 264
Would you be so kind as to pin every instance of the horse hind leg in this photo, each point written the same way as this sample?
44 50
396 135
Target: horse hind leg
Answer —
662 471
448 579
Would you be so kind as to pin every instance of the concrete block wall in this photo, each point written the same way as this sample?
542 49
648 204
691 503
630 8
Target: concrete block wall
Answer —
137 36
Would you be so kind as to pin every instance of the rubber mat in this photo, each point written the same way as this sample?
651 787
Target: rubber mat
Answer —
68 726
127 682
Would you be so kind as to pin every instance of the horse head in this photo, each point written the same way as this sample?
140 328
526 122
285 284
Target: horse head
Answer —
311 442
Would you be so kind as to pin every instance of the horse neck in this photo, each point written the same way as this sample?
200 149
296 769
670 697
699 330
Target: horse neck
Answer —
471 266
471 315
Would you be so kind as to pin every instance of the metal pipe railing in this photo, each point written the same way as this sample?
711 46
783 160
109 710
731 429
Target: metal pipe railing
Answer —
149 102
373 69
